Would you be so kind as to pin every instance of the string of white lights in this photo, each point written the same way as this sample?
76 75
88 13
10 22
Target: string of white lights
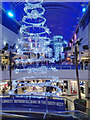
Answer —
43 84
33 30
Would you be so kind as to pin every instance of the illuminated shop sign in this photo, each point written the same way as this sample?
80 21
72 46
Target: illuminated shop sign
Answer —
28 103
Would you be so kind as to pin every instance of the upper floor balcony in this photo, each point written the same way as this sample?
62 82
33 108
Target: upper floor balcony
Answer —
47 72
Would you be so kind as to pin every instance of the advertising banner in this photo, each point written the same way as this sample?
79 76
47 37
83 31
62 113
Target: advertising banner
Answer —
32 104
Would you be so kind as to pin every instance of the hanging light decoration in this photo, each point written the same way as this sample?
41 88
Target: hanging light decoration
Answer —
33 37
58 42
32 32
34 41
41 85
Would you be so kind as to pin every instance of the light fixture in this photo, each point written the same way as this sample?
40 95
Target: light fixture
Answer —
4 42
16 46
62 49
84 9
10 14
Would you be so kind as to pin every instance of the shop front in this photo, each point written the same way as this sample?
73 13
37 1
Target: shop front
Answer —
73 87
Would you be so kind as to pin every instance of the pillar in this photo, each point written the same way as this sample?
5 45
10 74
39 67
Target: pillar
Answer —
79 56
86 89
69 88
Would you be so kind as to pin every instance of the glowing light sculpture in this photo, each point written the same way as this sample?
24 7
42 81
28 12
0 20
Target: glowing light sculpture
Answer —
32 32
58 42
41 85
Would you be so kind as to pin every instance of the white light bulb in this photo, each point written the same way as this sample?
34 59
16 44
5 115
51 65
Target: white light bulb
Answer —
4 42
16 46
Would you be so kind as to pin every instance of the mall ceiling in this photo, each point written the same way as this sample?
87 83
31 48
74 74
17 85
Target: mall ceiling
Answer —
61 17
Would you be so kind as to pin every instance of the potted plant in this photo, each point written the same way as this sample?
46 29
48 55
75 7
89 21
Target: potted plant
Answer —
80 104
85 47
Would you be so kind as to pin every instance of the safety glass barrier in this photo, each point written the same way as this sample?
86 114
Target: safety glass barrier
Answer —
49 66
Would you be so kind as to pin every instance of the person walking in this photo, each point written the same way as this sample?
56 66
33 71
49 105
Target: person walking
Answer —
3 91
81 65
86 64
66 105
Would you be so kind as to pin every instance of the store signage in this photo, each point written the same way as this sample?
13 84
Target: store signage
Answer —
33 104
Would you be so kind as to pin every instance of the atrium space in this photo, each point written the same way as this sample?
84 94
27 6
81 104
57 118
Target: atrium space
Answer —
45 59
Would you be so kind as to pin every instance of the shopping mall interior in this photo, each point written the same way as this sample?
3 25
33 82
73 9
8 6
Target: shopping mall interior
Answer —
44 59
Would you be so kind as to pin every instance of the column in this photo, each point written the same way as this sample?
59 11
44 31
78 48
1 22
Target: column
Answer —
86 89
79 55
69 88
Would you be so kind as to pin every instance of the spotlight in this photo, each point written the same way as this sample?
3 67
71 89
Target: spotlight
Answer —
84 9
10 14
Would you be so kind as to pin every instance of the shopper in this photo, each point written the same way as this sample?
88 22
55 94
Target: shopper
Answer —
3 91
66 105
16 91
86 64
6 66
2 66
81 65
23 89
47 89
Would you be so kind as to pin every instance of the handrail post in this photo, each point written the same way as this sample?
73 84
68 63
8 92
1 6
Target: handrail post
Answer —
47 104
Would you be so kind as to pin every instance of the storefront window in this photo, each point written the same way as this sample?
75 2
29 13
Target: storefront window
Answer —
73 85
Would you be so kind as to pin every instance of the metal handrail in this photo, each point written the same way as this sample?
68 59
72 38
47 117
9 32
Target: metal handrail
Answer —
67 113
14 115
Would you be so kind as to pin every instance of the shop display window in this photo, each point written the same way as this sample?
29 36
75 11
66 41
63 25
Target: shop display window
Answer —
73 85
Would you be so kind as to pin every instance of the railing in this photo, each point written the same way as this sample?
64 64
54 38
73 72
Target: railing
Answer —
50 65
57 66
69 108
69 104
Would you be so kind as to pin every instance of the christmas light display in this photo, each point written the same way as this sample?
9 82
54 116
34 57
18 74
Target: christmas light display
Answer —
41 85
58 42
33 32
34 41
